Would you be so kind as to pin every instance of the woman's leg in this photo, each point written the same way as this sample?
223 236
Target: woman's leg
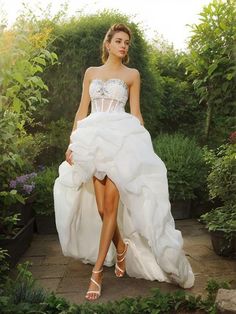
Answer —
99 187
110 206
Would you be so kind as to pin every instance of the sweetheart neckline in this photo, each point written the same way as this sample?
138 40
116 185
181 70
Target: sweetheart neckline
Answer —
111 79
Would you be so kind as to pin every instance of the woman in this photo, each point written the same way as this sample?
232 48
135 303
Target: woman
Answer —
112 184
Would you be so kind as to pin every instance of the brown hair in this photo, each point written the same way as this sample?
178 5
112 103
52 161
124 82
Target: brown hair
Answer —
119 27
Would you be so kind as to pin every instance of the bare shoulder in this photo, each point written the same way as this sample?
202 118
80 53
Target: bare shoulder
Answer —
133 75
90 71
134 72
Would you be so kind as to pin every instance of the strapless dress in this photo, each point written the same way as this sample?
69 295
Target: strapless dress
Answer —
112 142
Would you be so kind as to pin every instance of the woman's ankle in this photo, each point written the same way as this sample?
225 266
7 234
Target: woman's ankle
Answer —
120 247
98 268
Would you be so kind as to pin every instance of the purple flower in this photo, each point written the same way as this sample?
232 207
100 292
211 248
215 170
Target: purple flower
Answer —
24 184
12 184
28 188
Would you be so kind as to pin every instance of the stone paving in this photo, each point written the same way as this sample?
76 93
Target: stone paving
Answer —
69 278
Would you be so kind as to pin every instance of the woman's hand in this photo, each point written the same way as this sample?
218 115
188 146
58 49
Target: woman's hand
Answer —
69 156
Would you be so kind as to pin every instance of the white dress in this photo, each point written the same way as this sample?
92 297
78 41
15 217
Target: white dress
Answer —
111 142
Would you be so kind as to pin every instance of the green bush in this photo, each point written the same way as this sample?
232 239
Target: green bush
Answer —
221 180
185 164
44 203
25 288
179 108
221 218
211 66
9 219
24 56
221 183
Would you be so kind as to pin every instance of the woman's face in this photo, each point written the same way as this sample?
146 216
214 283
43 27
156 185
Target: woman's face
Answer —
119 45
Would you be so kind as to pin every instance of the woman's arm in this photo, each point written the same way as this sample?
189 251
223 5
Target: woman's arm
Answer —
82 111
134 97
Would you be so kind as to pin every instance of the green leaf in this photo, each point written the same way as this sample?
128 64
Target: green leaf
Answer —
40 60
17 104
18 77
229 76
212 68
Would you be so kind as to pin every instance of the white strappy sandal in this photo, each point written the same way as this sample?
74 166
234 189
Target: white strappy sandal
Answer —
122 271
97 292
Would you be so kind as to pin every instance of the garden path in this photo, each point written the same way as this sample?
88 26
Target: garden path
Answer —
69 278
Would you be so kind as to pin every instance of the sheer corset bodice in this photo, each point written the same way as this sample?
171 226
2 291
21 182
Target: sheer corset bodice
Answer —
108 96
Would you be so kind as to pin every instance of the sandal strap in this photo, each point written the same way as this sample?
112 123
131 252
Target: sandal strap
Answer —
121 260
121 270
93 291
120 254
95 282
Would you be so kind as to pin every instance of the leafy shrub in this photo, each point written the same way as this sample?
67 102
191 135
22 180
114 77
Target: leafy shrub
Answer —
211 65
44 203
221 179
24 56
8 219
221 218
24 288
221 182
180 111
185 164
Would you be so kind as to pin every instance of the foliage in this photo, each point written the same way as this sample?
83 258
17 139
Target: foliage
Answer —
44 182
8 220
212 287
24 184
221 179
185 164
211 64
179 108
221 218
24 288
24 296
24 56
221 183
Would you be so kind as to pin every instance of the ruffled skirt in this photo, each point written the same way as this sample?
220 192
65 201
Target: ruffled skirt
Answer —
117 145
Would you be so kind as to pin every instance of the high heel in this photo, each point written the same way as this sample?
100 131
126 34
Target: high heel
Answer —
122 271
97 292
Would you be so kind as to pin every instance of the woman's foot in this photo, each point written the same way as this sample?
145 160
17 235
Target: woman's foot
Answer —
94 290
120 261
